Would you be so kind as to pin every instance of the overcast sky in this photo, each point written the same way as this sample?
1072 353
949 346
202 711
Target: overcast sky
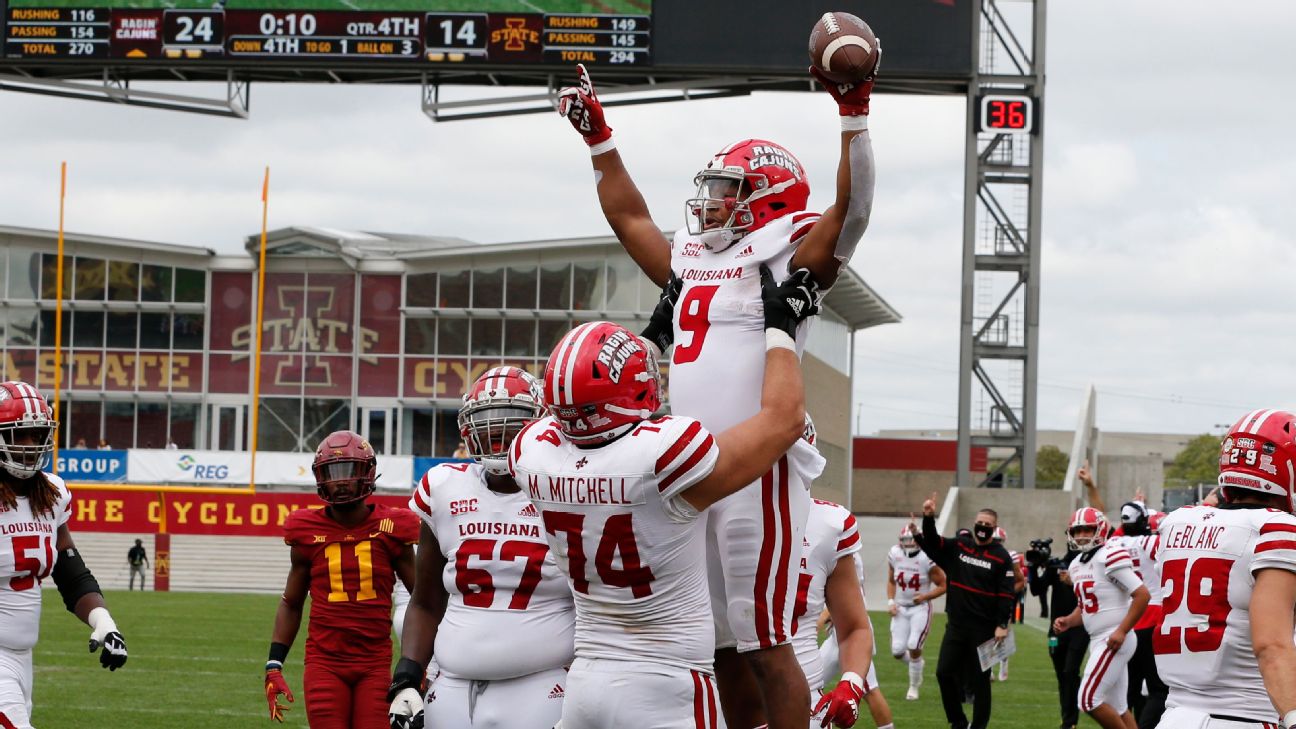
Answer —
1168 256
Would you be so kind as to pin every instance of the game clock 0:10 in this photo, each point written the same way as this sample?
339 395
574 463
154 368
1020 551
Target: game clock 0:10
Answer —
1003 114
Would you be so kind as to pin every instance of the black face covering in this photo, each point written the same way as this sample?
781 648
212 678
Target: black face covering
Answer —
982 532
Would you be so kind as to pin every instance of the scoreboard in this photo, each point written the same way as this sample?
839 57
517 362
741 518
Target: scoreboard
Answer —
434 38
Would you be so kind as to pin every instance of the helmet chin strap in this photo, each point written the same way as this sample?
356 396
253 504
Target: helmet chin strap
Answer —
718 240
495 466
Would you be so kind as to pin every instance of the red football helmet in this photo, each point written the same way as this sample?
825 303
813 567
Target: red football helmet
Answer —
1088 517
600 382
1000 535
496 408
1259 454
809 435
345 468
1154 522
908 540
27 429
744 187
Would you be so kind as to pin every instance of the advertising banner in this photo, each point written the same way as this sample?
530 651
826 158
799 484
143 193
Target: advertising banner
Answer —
234 468
79 464
140 512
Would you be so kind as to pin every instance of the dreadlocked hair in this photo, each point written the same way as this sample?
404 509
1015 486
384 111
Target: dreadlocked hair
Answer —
42 495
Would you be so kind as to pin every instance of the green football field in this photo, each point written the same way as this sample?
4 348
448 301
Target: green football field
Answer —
500 6
196 662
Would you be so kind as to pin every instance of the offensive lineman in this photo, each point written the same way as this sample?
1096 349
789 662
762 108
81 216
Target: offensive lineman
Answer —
749 210
1224 645
34 510
621 497
489 595
913 581
347 557
1111 599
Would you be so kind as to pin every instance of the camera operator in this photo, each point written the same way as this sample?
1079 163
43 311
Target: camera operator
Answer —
1040 552
1067 649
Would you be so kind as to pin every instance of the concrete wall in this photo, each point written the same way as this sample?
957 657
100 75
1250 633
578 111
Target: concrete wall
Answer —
828 397
896 492
1119 477
1025 515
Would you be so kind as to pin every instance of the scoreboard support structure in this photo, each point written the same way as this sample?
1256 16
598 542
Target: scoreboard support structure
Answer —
1002 202
111 87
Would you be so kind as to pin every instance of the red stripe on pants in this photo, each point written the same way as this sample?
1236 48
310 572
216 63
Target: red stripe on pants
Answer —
785 554
766 558
1091 686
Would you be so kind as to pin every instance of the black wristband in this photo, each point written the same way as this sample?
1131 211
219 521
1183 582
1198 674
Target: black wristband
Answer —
407 675
278 652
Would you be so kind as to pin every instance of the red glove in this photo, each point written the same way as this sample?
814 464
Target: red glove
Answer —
842 703
275 685
582 108
852 98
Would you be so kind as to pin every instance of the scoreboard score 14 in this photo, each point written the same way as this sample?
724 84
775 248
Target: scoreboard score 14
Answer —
220 34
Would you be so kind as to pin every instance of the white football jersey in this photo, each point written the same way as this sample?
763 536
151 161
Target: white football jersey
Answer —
912 573
632 548
510 611
1098 587
718 363
1203 645
1145 551
27 556
831 533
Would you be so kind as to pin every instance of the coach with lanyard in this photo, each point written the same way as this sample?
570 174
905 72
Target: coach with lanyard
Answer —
979 604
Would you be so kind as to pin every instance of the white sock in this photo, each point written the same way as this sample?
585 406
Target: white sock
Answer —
887 726
915 670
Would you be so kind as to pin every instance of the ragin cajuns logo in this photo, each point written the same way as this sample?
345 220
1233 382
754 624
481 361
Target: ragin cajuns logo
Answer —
765 154
305 326
616 352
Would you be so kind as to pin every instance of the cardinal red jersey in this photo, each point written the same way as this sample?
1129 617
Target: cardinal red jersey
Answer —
1209 557
352 577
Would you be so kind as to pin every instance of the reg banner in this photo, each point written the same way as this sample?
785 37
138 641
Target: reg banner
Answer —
235 468
81 464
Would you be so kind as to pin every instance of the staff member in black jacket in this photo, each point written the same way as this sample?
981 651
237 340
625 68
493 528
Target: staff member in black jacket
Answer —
979 603
1067 649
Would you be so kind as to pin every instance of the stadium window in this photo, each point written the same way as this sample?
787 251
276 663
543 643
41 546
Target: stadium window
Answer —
421 289
622 284
321 417
4 325
488 289
88 329
551 330
23 267
21 329
520 338
49 276
47 328
151 425
486 335
155 283
452 337
123 281
190 285
154 330
85 422
420 336
122 330
119 424
4 270
587 289
555 286
418 432
649 292
184 417
520 288
187 330
279 423
447 432
454 288
91 279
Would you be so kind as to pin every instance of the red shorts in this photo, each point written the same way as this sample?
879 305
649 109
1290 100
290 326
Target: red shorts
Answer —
346 695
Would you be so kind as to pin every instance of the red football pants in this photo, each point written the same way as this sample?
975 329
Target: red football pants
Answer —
346 695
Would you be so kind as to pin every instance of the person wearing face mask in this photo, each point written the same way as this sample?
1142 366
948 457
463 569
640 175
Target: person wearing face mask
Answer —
979 606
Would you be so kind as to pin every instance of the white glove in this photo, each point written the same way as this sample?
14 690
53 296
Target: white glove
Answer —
103 633
406 711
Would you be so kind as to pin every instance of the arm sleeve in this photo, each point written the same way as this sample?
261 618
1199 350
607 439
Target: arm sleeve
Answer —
860 208
932 543
686 453
1276 547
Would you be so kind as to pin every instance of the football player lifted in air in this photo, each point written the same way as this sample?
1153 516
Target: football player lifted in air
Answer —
913 581
347 557
1111 600
828 580
622 494
749 211
489 596
1228 575
34 511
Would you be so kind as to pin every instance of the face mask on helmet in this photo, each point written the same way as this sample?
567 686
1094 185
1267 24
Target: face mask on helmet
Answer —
26 448
720 214
488 430
907 541
344 482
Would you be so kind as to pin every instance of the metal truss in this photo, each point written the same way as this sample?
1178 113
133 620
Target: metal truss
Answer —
114 89
999 338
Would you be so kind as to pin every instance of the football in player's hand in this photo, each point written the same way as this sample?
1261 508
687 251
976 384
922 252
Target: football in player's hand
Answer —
843 47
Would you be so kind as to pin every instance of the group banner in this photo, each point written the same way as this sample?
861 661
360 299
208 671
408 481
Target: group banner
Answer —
142 512
81 464
234 468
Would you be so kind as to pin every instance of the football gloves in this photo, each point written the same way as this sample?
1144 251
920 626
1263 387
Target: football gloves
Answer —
661 325
582 108
791 302
406 695
104 635
840 706
852 98
275 684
